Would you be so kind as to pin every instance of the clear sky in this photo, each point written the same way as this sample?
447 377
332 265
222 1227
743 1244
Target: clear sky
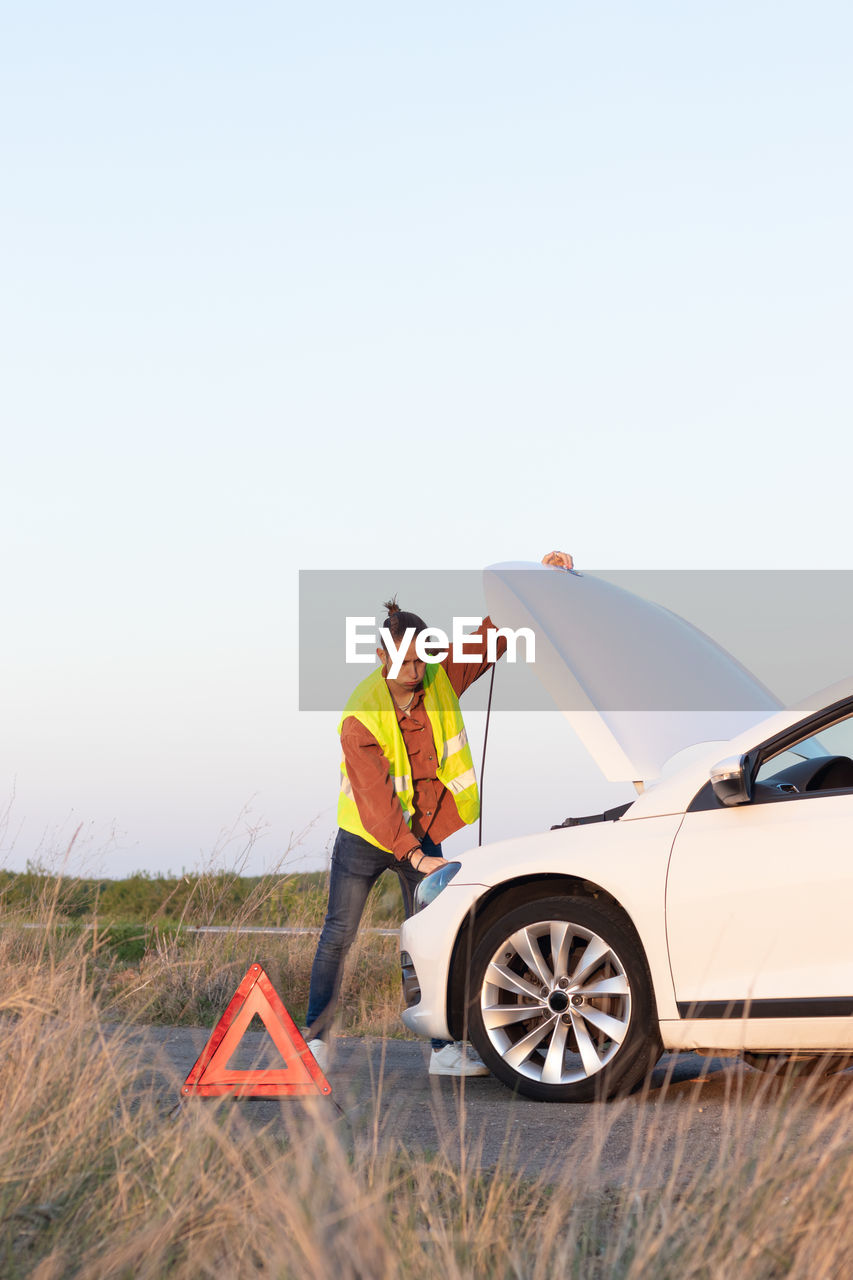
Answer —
346 286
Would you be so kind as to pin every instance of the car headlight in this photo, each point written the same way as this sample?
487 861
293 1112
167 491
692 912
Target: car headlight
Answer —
431 886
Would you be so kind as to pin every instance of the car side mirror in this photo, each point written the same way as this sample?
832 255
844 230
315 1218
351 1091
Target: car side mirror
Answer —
731 780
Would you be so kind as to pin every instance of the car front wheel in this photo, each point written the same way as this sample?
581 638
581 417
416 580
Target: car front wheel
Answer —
561 1006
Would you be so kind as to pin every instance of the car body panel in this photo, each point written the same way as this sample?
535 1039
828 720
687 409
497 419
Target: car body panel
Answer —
606 854
636 682
759 1035
758 901
429 938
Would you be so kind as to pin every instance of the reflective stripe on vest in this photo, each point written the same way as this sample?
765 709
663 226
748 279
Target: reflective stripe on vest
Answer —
465 780
456 743
371 704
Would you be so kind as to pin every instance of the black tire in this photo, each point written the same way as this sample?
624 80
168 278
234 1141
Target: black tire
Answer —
580 1043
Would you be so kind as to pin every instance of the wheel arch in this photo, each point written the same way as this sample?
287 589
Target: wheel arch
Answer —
500 899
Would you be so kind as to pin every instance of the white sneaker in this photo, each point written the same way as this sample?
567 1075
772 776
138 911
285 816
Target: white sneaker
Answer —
457 1059
320 1050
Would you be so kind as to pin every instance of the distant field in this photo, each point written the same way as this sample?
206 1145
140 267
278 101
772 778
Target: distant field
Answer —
145 965
218 898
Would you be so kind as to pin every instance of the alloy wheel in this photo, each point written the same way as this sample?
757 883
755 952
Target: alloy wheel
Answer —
555 1002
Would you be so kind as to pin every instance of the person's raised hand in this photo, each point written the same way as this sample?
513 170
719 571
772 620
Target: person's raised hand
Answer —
559 559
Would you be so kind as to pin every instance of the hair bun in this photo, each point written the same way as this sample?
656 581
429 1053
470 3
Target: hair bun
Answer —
399 622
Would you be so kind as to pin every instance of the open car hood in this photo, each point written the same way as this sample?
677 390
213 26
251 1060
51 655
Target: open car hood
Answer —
636 682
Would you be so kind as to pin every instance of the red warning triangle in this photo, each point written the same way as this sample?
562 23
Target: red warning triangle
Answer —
300 1076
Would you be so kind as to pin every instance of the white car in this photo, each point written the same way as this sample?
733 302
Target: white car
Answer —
711 913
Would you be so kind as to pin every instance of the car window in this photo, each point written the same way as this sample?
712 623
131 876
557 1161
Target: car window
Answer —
835 740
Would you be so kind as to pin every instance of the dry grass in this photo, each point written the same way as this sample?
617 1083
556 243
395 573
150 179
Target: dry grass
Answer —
97 1181
187 978
190 982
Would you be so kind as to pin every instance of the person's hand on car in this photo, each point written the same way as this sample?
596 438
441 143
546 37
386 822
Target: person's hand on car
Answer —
424 864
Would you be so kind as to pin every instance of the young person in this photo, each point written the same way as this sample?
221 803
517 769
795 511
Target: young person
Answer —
407 783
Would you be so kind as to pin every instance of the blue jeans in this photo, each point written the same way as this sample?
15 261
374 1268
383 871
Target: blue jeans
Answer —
356 866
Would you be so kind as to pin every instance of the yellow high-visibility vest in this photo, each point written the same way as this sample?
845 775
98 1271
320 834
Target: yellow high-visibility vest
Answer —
371 703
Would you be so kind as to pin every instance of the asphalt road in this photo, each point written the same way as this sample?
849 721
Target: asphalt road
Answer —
695 1104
